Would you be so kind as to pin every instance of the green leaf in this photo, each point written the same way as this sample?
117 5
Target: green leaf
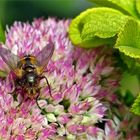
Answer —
128 40
96 26
138 6
2 34
129 83
136 106
125 6
133 65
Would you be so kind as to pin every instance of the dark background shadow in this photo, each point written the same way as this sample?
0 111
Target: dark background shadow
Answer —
26 10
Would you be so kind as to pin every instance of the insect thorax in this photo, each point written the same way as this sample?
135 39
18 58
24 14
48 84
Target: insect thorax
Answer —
28 66
27 61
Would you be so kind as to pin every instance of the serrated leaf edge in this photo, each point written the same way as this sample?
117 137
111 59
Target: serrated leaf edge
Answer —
120 48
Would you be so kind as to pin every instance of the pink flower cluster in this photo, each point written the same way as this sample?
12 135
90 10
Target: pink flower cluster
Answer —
83 84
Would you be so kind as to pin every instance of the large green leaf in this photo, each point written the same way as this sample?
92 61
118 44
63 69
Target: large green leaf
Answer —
128 40
138 6
125 6
136 106
129 84
133 65
96 26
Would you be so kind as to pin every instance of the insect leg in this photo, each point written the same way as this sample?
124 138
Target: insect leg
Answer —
37 102
42 110
43 77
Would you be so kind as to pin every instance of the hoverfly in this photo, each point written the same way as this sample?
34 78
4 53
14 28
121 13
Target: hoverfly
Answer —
28 70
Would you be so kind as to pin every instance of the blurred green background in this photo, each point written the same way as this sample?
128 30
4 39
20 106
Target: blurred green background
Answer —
26 10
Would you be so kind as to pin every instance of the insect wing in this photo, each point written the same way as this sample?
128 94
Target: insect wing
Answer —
45 54
9 58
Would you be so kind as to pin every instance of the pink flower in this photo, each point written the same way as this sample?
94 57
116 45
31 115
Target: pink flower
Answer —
82 82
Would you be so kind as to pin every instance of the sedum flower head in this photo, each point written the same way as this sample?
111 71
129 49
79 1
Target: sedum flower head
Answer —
82 82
